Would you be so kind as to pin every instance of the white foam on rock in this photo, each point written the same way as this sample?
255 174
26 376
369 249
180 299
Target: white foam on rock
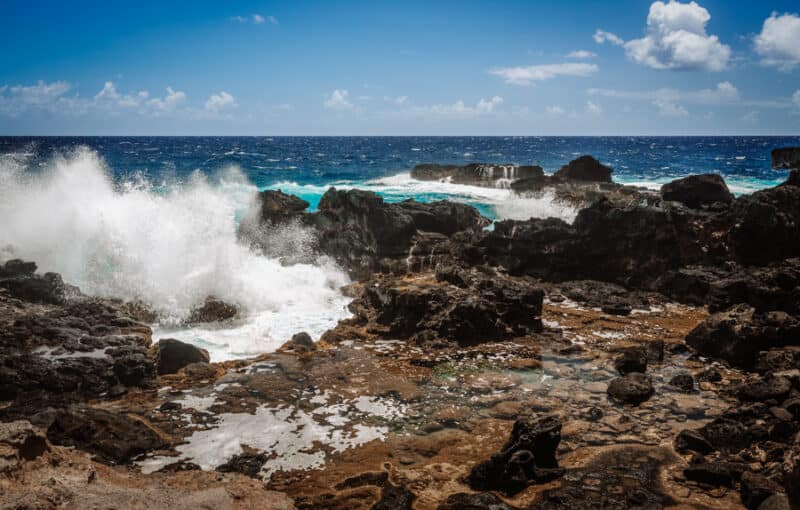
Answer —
293 438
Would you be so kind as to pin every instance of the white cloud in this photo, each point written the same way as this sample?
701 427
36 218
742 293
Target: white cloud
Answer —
527 75
581 54
779 41
219 102
670 109
399 100
593 108
677 39
796 98
459 108
169 102
109 97
725 92
601 36
338 100
554 110
41 93
51 97
18 99
256 19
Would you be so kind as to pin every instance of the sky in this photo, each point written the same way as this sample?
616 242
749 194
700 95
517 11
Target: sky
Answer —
627 67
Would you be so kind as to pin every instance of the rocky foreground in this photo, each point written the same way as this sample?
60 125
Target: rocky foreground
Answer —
645 356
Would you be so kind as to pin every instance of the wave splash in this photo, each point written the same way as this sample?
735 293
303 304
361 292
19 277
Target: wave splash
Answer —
169 246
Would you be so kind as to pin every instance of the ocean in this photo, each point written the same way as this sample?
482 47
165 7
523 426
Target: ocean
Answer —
154 218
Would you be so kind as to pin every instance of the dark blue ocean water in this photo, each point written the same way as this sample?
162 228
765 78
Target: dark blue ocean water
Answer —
320 160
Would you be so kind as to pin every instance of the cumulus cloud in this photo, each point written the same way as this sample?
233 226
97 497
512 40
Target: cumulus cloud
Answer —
554 110
581 54
525 75
601 36
53 98
338 100
18 99
778 44
109 96
593 108
219 102
676 39
670 109
169 102
458 109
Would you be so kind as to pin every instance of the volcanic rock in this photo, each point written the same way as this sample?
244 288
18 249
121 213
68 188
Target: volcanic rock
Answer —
738 334
491 308
213 310
696 191
476 174
585 168
633 359
111 437
172 355
528 456
633 388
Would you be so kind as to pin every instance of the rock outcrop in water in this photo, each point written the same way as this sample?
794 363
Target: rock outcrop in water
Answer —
698 191
477 174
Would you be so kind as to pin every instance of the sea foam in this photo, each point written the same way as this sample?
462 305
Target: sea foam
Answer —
169 246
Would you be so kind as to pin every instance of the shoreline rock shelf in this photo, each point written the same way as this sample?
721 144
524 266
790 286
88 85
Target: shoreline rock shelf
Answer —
646 355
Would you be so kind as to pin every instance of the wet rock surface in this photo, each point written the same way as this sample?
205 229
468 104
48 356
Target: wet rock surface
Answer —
172 355
465 308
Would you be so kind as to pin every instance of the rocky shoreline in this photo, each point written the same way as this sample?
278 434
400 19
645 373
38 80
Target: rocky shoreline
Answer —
646 355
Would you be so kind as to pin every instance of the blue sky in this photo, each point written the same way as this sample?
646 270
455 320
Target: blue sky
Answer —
400 68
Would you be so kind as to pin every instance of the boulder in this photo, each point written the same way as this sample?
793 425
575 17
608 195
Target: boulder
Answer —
585 168
765 226
172 355
791 472
633 359
786 158
713 473
528 456
113 438
19 279
755 489
691 440
212 310
299 343
696 191
682 382
277 207
489 308
358 229
634 388
20 441
738 334
760 389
